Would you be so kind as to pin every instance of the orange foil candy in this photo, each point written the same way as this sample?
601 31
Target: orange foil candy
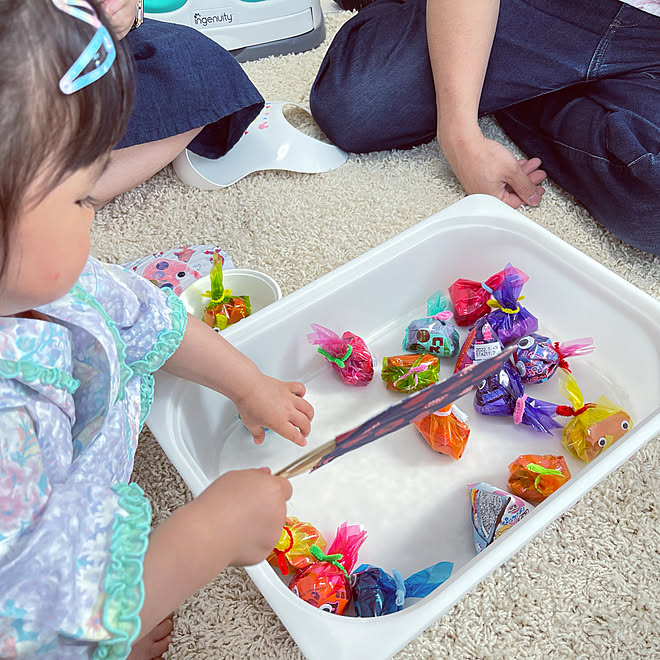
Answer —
533 477
446 431
293 547
227 313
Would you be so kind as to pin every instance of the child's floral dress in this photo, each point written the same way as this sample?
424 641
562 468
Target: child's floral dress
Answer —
74 393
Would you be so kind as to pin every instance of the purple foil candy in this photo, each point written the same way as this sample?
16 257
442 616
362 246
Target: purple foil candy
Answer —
511 320
536 357
503 394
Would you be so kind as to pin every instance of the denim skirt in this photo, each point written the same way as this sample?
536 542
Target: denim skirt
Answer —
185 80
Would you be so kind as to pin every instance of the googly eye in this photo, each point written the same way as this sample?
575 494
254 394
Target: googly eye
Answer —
602 441
625 424
326 607
526 342
482 384
181 274
520 366
217 330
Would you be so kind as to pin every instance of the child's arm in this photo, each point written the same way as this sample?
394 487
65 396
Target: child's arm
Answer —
206 358
236 521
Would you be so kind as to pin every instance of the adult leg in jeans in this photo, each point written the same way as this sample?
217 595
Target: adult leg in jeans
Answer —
600 139
373 92
374 89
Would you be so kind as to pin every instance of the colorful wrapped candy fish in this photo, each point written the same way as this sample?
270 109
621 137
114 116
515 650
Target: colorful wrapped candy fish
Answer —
446 430
537 358
325 583
432 334
376 593
481 343
293 548
470 298
533 477
347 354
223 309
502 394
595 426
494 512
510 320
409 373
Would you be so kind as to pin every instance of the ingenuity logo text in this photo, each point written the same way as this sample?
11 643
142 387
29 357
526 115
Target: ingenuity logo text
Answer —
220 17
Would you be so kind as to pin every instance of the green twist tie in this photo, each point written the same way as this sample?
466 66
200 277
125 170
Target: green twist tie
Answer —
331 559
540 470
340 362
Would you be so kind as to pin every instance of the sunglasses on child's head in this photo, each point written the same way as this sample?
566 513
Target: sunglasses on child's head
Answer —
100 52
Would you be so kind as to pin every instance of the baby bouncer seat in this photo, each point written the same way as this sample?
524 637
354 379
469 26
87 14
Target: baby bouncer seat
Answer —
249 29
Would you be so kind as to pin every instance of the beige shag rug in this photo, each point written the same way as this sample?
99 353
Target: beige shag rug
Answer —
588 587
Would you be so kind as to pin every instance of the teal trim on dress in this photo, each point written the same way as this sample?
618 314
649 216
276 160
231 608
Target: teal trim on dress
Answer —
125 372
30 371
167 341
146 396
123 581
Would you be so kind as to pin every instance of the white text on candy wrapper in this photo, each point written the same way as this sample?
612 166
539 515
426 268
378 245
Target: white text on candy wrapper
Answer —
213 17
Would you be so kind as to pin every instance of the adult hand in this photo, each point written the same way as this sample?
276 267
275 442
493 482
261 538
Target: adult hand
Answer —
120 15
486 166
277 405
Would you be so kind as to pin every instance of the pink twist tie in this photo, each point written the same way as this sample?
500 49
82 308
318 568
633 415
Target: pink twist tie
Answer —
413 370
519 409
443 316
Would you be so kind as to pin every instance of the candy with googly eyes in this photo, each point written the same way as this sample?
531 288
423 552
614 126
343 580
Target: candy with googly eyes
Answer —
348 354
510 320
293 548
432 334
325 584
537 357
223 308
503 394
594 426
494 512
534 477
376 593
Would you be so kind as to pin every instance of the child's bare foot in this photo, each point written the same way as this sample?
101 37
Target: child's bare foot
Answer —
154 644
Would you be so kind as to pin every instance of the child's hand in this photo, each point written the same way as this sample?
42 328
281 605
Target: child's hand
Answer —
276 405
245 511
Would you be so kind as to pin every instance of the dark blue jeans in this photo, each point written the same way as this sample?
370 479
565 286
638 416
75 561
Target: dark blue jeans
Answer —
574 82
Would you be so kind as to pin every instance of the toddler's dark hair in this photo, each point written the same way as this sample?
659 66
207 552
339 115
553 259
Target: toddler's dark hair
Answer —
45 132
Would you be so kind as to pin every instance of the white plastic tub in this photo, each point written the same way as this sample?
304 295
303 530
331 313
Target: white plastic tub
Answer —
413 502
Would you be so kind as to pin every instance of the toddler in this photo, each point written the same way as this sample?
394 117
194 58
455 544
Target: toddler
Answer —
81 572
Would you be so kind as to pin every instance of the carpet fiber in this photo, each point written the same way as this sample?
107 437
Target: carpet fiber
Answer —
587 587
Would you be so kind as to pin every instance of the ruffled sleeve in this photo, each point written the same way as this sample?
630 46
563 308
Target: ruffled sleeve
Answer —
149 322
152 325
71 551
